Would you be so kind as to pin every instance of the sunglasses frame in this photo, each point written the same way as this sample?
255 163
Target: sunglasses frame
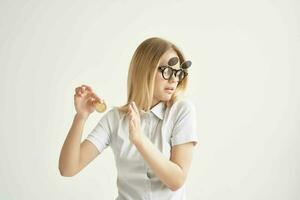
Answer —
173 61
174 71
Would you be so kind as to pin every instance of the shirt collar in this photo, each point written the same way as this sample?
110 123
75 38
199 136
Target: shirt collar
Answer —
159 110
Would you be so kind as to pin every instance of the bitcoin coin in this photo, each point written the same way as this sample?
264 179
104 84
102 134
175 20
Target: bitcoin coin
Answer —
100 107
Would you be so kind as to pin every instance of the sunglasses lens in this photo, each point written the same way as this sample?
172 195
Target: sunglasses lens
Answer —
167 73
173 61
186 64
180 75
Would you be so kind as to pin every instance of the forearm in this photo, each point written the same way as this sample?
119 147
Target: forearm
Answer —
70 152
168 172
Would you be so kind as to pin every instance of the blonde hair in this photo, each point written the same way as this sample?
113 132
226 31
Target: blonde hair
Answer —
142 72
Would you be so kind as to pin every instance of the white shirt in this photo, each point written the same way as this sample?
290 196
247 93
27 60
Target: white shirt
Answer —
165 127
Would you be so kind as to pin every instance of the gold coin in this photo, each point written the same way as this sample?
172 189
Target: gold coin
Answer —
100 107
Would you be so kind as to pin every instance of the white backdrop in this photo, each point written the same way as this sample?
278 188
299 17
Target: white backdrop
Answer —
244 82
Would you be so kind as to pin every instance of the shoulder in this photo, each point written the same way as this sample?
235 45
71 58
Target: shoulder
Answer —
183 109
111 115
183 105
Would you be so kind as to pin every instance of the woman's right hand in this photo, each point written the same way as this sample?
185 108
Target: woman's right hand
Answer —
85 100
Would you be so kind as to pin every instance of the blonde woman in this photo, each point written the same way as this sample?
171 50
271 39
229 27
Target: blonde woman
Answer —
152 136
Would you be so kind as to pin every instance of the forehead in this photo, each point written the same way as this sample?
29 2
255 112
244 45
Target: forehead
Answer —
167 56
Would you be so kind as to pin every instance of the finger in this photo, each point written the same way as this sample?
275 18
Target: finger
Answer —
77 95
132 117
132 124
101 100
97 98
87 87
77 91
132 107
128 107
131 111
82 90
87 97
91 100
135 108
129 114
129 123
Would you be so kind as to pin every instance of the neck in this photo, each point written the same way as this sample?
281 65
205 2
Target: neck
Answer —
154 103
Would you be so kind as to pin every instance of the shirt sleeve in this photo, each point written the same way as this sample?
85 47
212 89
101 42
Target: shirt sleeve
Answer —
185 129
100 136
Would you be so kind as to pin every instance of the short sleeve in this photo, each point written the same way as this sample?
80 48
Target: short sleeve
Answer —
185 129
100 136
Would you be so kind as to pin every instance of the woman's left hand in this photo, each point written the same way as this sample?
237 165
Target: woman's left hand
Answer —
134 122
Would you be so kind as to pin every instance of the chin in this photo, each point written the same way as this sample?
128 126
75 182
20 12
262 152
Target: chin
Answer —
166 97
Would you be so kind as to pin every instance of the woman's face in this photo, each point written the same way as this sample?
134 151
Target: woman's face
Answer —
164 89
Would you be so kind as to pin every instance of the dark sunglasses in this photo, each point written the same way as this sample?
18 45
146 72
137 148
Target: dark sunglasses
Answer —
167 71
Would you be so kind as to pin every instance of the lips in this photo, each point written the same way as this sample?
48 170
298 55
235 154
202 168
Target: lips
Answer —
169 89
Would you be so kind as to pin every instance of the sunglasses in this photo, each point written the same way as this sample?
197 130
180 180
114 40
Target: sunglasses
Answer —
167 71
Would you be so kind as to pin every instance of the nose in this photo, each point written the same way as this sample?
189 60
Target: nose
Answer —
173 78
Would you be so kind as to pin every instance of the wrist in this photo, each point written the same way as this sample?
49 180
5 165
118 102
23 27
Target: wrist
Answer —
138 140
81 116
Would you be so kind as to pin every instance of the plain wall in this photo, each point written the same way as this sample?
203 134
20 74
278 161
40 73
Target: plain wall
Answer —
244 82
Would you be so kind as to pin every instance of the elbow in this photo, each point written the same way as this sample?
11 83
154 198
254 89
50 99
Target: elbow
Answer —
178 182
177 185
66 173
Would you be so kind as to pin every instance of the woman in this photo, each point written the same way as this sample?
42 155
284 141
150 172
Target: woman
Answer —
152 136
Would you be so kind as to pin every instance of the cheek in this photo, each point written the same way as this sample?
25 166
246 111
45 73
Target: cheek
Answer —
159 83
160 79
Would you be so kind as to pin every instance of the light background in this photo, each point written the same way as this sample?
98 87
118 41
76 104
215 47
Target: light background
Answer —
244 82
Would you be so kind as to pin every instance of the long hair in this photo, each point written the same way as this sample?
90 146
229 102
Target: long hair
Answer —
142 71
